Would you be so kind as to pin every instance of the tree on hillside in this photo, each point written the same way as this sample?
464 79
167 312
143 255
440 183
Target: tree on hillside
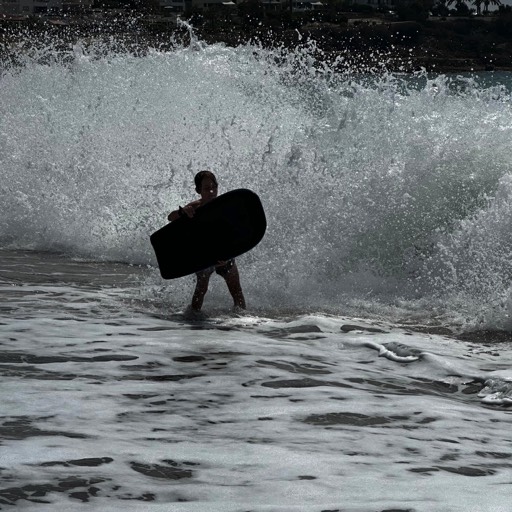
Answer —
440 8
478 5
496 3
460 6
486 3
417 10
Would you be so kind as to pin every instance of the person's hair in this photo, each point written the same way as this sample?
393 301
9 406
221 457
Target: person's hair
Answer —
200 176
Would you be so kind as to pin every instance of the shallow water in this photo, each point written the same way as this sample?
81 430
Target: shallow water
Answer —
108 407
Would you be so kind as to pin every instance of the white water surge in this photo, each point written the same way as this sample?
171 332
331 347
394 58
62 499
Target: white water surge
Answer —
388 193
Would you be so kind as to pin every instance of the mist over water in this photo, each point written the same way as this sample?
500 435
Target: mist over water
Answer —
385 195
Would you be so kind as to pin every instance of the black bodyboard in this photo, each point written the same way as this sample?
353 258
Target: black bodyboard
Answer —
223 228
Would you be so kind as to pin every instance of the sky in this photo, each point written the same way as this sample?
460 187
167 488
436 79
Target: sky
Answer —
506 2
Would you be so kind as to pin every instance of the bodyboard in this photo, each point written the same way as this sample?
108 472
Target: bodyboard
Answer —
223 228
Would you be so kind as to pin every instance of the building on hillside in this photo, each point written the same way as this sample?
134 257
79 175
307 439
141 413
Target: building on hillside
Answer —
268 5
187 5
76 5
173 5
30 7
377 3
304 5
275 5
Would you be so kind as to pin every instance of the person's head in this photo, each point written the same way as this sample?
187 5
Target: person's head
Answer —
206 184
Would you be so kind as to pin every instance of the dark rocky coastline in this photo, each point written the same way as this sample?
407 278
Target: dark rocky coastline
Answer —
452 44
436 45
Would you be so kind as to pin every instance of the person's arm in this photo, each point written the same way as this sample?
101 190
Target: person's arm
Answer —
175 215
188 210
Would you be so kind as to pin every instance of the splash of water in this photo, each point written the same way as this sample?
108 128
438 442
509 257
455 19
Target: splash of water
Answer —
383 193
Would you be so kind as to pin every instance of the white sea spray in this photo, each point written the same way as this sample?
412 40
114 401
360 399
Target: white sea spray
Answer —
385 194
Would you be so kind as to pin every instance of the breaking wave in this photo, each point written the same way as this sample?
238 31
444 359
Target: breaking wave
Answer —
385 194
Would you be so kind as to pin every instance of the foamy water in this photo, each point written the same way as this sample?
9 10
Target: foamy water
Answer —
388 200
106 407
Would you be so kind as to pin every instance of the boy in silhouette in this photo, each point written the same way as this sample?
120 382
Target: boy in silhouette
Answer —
206 187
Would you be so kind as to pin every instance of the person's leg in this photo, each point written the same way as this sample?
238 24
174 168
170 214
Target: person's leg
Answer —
235 289
203 278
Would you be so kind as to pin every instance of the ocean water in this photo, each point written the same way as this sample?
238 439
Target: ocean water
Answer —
372 369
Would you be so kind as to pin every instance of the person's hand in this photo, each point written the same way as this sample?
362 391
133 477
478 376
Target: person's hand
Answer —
188 211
